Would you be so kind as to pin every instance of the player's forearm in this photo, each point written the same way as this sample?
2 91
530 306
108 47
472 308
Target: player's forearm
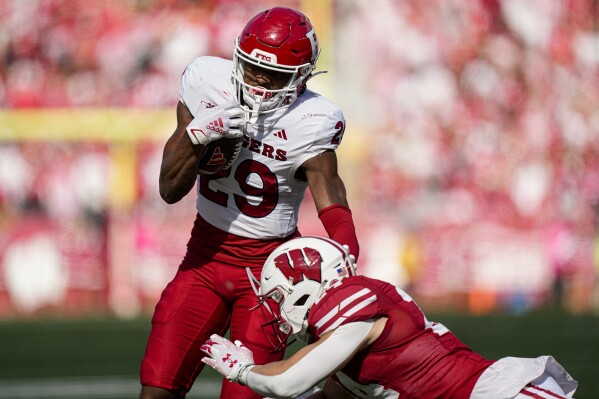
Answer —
281 366
179 168
288 384
330 198
310 365
327 190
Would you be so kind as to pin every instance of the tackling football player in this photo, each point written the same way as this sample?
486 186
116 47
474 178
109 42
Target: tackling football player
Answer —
245 211
367 339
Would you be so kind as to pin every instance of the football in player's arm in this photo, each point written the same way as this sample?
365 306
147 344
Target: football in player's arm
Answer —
287 137
367 339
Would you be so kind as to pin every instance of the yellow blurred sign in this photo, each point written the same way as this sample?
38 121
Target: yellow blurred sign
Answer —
113 125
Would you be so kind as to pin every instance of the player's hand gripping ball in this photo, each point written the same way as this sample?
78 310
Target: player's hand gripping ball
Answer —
220 155
220 130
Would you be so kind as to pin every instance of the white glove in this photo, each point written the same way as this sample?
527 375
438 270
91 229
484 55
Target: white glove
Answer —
232 360
214 123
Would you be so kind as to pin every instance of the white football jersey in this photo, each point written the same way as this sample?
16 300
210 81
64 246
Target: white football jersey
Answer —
259 196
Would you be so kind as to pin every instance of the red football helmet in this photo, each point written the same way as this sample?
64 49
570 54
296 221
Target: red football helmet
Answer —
283 42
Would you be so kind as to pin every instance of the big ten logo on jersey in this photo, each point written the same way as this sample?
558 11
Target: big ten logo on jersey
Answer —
264 149
299 263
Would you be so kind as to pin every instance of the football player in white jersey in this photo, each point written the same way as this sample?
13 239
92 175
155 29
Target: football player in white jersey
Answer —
290 135
367 339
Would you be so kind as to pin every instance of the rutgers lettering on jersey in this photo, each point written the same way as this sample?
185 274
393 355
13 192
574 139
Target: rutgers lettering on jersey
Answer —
259 196
267 150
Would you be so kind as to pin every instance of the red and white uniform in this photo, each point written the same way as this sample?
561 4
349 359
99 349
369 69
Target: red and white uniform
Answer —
413 357
259 196
244 213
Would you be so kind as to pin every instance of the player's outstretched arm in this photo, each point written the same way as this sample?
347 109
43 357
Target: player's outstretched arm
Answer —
179 168
304 369
330 198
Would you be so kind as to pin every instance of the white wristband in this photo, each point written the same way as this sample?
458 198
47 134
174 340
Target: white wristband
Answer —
242 374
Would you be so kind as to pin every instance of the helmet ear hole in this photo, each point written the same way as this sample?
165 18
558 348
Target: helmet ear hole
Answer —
302 300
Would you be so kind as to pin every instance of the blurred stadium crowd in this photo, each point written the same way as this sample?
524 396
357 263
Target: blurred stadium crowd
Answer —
471 157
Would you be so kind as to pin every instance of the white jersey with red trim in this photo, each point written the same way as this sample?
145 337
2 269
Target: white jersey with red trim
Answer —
259 196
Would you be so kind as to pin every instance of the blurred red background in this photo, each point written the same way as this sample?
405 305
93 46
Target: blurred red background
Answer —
471 156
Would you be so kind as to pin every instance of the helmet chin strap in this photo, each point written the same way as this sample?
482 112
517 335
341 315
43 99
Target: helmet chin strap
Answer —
254 282
254 113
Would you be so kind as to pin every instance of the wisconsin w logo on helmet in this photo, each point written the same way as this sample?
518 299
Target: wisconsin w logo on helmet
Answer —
299 263
293 278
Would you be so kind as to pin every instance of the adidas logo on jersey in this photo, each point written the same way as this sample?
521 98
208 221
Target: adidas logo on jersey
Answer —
217 157
281 134
217 126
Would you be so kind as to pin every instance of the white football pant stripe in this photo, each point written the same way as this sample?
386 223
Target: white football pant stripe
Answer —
537 392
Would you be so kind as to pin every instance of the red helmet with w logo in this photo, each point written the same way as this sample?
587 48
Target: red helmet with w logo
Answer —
282 41
292 279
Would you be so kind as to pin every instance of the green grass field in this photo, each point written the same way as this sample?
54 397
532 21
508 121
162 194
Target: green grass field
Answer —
100 358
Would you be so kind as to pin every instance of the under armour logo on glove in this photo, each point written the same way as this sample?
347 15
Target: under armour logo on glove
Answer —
231 359
214 123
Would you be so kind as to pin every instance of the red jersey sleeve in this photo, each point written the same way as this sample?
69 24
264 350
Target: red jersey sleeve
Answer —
340 305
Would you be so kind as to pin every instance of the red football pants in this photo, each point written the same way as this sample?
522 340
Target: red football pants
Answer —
198 302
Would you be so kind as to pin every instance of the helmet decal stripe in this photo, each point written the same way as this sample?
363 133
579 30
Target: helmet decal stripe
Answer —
341 249
311 35
332 242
